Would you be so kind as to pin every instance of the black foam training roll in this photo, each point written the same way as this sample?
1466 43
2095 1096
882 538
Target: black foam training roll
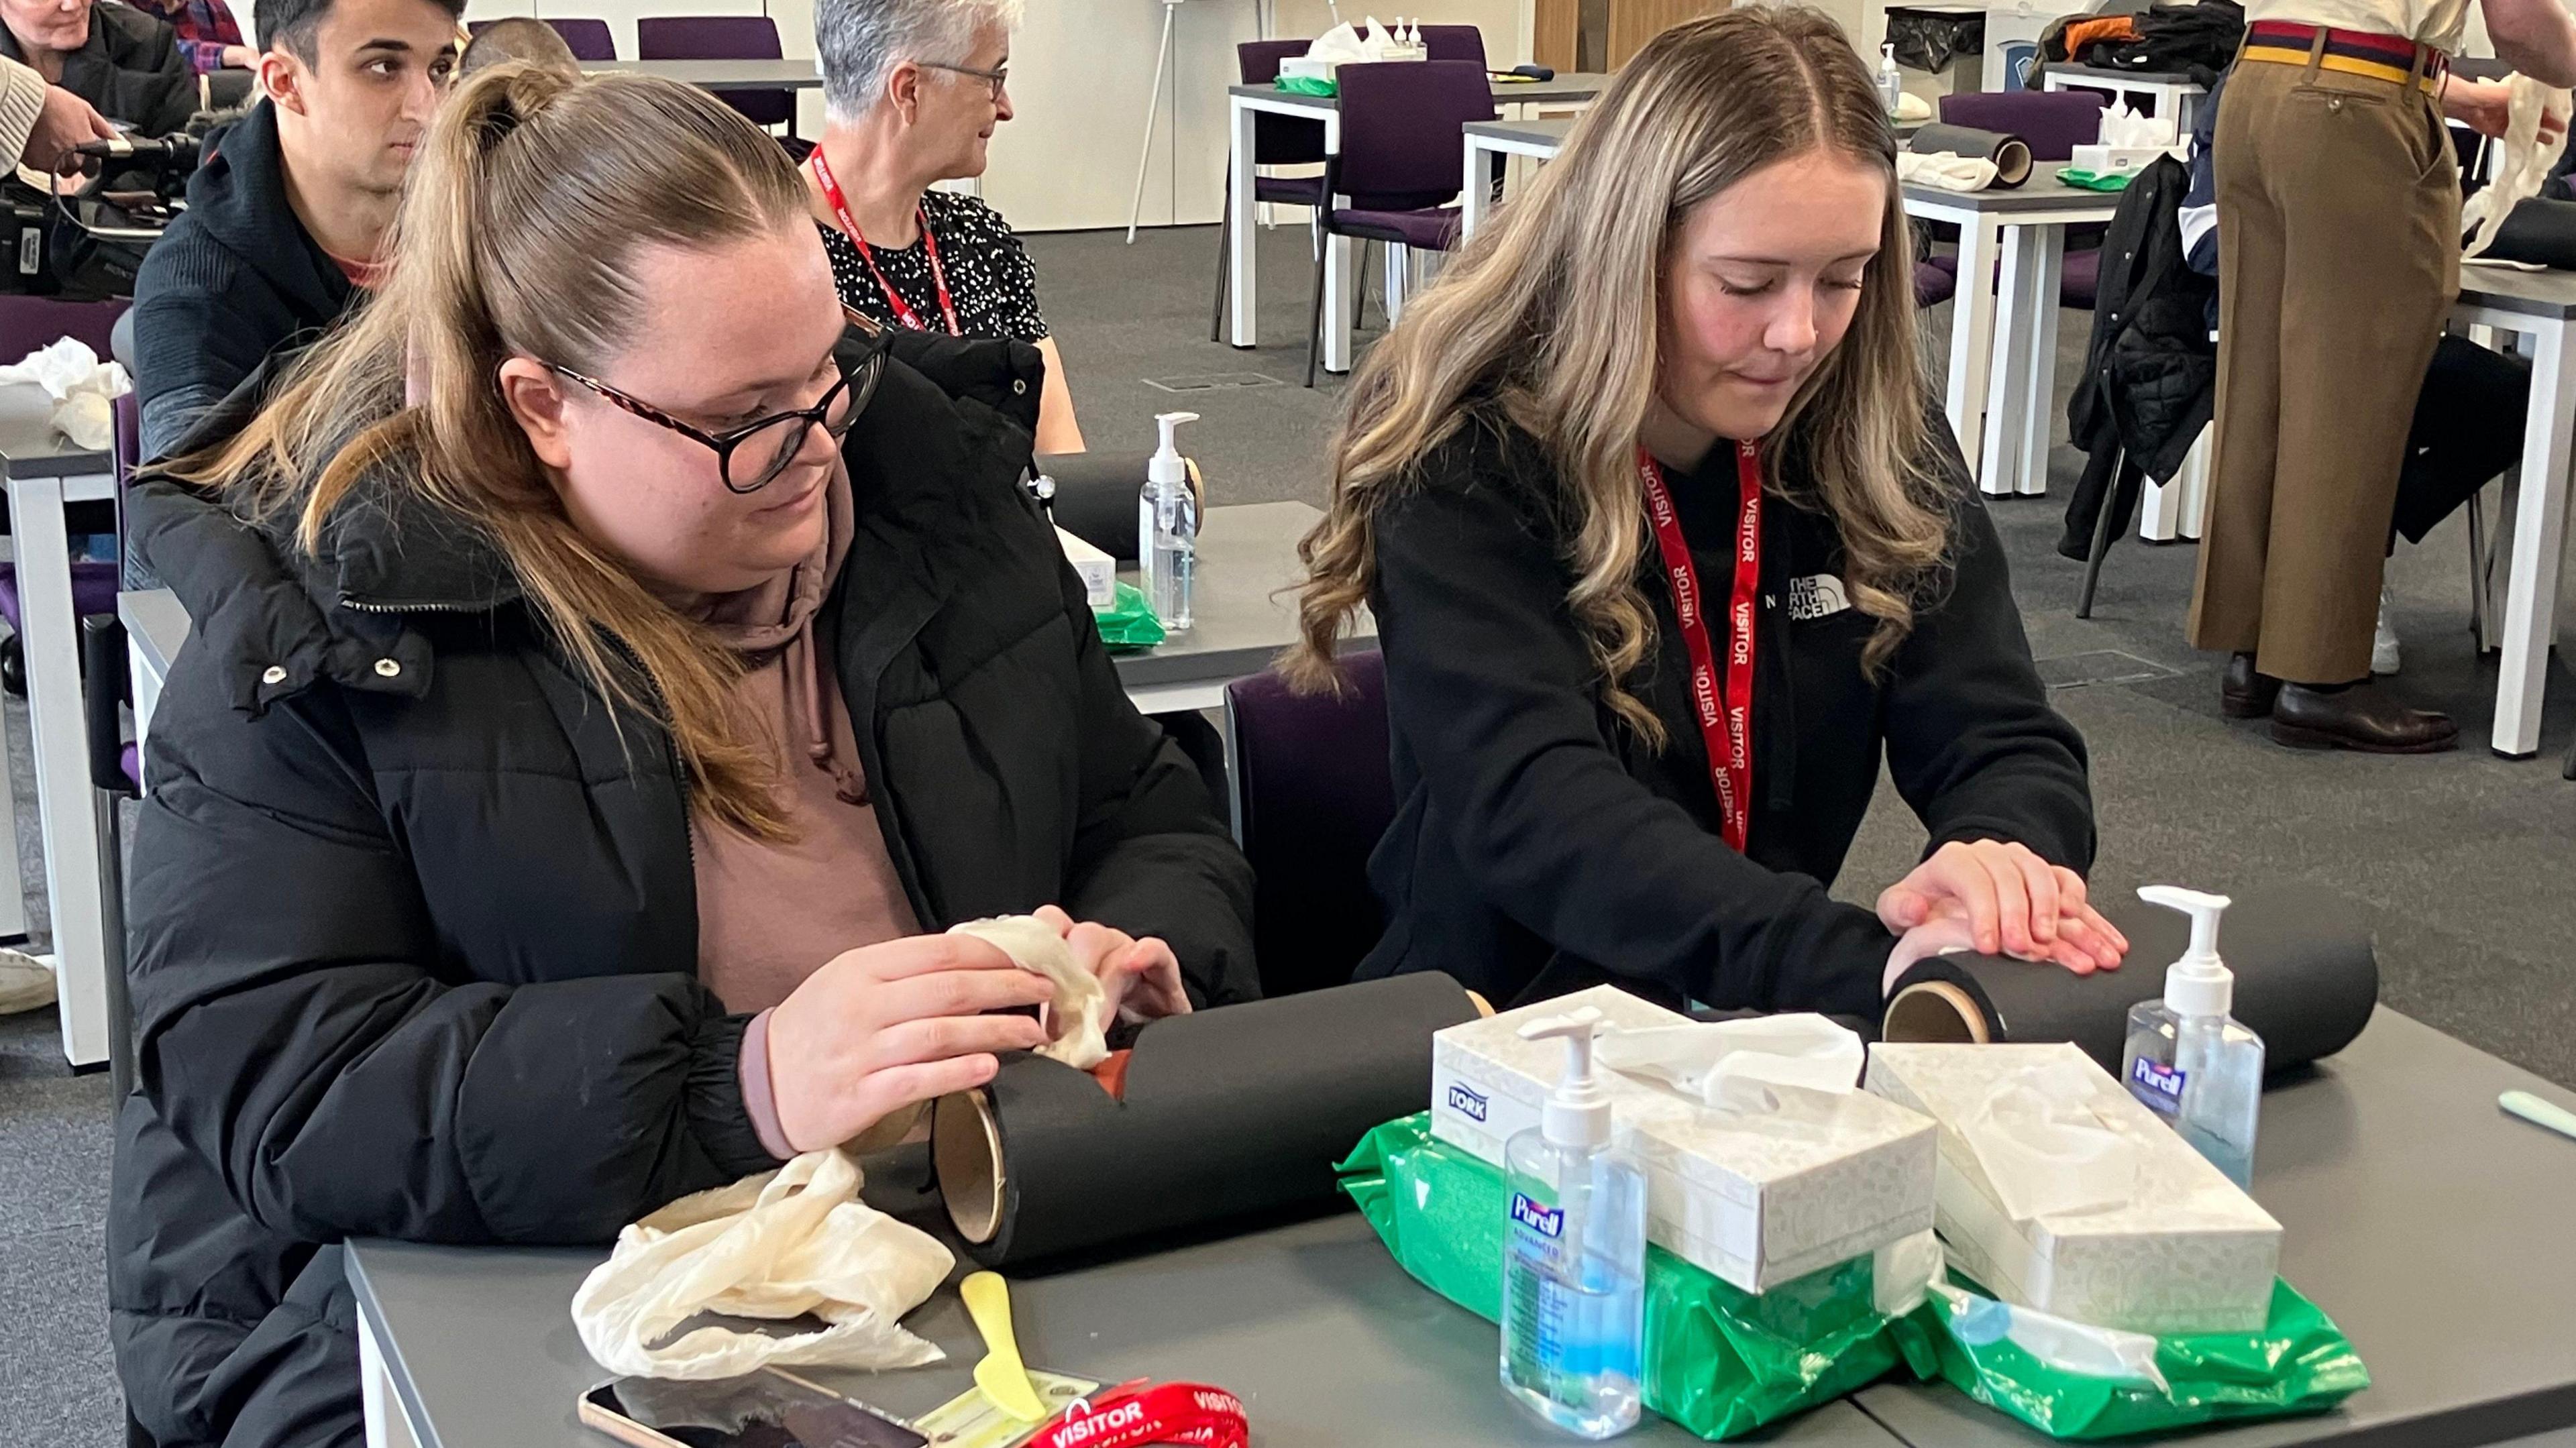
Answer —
1227 1112
2306 980
2011 154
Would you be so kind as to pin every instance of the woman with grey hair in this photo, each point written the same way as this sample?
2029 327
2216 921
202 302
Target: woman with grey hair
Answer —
913 90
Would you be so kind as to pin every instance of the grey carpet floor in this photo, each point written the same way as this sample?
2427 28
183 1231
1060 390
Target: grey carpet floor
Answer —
2465 862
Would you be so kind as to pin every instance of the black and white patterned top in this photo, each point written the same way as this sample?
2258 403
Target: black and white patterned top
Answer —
990 280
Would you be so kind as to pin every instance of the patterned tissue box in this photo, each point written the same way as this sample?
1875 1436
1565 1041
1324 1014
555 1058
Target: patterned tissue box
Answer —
2187 1251
1757 1198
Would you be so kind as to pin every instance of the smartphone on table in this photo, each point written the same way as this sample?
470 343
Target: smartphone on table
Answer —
771 1408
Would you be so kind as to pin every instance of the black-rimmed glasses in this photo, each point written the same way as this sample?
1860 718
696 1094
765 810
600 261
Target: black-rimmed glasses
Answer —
764 446
997 79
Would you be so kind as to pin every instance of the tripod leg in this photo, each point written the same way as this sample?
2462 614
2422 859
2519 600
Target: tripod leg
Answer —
2103 524
1153 107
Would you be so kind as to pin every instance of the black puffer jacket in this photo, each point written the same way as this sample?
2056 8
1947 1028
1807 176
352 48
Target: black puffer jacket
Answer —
415 947
2150 378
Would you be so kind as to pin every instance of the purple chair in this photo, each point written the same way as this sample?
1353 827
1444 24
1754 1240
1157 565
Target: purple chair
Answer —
587 39
1402 134
721 37
2054 123
1276 141
1313 793
1447 42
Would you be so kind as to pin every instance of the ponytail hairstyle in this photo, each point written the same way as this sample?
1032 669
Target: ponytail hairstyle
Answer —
521 219
1554 309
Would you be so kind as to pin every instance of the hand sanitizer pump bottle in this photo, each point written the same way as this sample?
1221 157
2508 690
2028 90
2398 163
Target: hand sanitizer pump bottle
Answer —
2187 1059
1167 529
1574 1254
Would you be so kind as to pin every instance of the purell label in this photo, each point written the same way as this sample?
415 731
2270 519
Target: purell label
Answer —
1466 1103
2159 1086
1546 1221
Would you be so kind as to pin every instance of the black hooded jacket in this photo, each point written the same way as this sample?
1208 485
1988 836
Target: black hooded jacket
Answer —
1540 845
130 68
233 279
416 939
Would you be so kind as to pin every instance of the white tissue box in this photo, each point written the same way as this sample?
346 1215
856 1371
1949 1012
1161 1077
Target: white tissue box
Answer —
1757 1200
1099 571
1307 67
2116 160
2188 1252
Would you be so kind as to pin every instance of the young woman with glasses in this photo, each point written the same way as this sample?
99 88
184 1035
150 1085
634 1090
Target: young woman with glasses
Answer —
913 90
610 672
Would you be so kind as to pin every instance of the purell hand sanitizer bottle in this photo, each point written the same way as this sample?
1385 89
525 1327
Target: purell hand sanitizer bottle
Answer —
2187 1059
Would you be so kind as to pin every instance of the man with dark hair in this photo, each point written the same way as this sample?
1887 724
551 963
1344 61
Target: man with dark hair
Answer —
285 217
113 56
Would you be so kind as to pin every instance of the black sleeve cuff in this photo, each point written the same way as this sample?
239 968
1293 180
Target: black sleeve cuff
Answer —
713 1099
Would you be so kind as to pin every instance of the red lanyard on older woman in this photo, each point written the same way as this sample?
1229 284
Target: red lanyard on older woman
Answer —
1725 716
904 315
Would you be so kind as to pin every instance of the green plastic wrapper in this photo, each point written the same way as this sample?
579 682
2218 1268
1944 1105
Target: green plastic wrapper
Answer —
1307 85
1128 623
1720 1361
2299 1363
2096 180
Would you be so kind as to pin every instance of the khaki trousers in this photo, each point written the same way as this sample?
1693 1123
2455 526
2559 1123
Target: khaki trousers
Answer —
2339 255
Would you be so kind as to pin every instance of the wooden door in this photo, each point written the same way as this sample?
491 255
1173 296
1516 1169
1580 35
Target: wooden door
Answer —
1634 22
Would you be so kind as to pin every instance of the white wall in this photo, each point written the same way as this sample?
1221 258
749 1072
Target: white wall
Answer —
1081 71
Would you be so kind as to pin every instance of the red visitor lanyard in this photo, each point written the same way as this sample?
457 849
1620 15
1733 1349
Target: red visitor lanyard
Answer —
904 315
1132 1413
1725 718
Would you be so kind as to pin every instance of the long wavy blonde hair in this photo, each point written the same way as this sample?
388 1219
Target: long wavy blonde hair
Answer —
1553 312
519 225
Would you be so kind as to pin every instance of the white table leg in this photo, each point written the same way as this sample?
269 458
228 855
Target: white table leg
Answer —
1476 193
1972 333
381 1406
1399 278
1238 201
2036 378
13 885
65 804
2539 536
1338 271
2007 399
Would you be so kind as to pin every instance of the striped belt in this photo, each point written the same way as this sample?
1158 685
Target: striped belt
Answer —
2391 58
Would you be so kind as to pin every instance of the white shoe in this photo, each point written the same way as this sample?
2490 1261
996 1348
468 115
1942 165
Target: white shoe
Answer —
2384 658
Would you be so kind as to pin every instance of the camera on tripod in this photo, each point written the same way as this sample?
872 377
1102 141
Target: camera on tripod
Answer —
82 238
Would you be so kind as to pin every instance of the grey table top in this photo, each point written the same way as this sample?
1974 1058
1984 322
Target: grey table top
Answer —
1570 85
155 627
1247 556
29 444
2546 294
721 74
1243 612
2106 77
2043 192
1325 1339
1546 131
2428 1224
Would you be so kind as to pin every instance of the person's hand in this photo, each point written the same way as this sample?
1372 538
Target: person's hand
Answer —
2012 901
240 57
1141 977
65 121
2486 107
884 1026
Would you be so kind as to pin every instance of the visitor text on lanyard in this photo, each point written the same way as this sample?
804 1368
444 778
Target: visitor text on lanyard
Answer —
1725 713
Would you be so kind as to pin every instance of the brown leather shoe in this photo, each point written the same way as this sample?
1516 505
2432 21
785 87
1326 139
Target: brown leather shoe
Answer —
2243 693
2363 718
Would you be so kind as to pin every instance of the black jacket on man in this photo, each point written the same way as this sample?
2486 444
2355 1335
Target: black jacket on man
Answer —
1540 845
234 279
130 69
416 947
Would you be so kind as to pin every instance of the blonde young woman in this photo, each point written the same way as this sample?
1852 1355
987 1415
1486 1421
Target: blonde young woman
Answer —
1683 364
609 677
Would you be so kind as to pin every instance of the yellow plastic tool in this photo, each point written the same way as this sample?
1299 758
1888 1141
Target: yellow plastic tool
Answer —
1002 1376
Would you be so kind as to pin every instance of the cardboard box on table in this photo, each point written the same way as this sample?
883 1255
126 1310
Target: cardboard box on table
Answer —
1757 1199
2188 1252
